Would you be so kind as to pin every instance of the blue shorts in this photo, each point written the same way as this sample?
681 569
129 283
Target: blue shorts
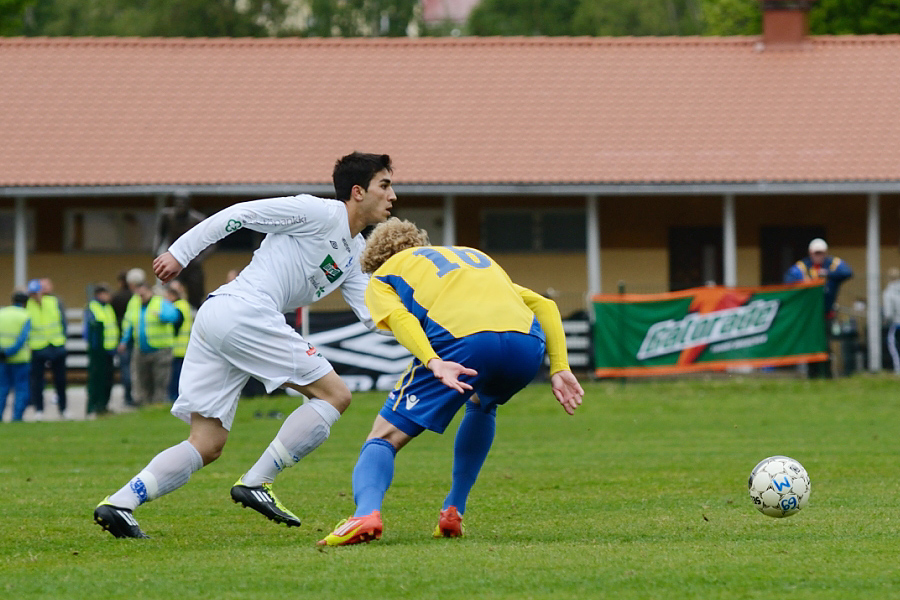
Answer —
506 362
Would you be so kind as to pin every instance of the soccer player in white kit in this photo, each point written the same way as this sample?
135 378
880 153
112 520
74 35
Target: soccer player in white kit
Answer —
311 248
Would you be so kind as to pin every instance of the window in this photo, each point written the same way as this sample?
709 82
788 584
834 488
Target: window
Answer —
695 257
8 230
508 231
534 230
110 230
563 231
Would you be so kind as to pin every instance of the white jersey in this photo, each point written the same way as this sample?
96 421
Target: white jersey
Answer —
307 253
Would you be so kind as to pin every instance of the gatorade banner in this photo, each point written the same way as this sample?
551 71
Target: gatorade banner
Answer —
708 329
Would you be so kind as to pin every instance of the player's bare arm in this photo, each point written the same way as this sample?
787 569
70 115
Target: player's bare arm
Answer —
448 373
166 267
567 390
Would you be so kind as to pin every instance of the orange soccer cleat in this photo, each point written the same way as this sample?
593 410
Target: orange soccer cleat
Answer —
450 524
355 530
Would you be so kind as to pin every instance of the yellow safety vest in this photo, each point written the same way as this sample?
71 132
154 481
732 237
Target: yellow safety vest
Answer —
105 314
12 321
184 334
158 334
46 323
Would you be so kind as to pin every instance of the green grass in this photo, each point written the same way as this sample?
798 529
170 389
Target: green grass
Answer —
641 495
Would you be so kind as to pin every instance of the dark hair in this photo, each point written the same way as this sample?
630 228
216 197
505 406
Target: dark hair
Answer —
357 168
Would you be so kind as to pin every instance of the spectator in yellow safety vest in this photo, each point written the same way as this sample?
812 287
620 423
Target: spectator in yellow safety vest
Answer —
15 354
101 332
48 344
177 295
150 322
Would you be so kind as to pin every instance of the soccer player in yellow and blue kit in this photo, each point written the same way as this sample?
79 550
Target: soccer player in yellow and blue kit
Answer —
477 339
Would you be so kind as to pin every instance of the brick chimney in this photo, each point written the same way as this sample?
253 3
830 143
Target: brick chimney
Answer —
785 23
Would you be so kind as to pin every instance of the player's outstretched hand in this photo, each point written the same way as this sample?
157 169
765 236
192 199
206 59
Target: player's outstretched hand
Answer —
567 390
166 267
448 372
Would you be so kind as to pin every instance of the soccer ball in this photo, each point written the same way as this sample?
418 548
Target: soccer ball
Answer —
779 486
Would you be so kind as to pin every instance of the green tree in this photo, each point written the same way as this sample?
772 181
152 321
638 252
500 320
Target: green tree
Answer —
637 17
855 16
14 15
671 17
349 18
835 17
731 17
188 18
586 17
523 17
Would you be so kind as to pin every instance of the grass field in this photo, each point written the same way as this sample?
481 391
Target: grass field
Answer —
641 495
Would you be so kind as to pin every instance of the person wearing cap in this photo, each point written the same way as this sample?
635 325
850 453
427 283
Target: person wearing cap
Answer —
48 344
149 325
15 354
834 271
101 332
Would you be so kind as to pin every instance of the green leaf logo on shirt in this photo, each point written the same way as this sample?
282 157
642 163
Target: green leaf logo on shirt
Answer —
331 269
233 225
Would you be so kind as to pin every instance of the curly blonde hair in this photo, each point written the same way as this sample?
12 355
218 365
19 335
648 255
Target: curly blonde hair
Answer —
389 238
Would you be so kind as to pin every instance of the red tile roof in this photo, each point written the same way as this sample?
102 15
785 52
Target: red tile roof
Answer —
119 111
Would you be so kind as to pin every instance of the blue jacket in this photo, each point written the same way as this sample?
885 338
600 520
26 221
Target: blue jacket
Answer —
836 272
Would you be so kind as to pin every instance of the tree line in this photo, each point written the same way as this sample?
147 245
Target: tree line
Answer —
351 18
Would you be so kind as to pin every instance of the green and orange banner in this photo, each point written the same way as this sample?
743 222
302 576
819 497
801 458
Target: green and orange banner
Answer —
708 329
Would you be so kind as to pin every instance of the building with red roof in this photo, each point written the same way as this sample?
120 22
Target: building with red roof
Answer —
582 164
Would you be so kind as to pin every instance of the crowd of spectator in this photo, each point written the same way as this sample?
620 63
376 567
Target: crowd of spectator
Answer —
136 334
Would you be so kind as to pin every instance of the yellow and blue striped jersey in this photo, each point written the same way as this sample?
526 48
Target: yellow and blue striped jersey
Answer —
452 290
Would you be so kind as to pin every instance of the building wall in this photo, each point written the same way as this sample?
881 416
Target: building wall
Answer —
560 276
634 236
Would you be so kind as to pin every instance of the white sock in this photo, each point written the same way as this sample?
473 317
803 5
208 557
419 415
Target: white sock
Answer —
168 471
303 431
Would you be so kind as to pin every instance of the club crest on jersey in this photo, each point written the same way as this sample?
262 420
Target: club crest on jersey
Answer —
331 269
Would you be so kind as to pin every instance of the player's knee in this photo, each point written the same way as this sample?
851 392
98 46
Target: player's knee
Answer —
208 449
211 454
339 398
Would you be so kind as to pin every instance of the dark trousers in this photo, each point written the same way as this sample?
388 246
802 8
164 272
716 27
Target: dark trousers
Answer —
55 357
125 374
100 379
14 376
177 362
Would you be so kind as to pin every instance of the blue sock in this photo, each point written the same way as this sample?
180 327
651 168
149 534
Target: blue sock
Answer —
473 441
372 475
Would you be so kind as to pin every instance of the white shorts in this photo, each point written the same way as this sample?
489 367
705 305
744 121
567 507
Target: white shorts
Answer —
231 340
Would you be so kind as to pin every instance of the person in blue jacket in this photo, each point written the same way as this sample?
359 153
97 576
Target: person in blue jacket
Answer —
819 265
15 355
